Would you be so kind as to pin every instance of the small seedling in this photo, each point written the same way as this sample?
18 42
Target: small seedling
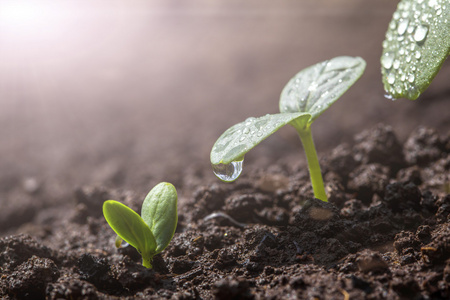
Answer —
151 232
306 96
416 46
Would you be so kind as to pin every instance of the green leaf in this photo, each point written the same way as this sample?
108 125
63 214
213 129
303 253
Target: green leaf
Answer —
159 211
315 88
416 45
234 143
130 227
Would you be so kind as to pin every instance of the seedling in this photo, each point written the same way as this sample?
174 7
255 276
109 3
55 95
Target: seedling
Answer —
306 96
151 232
416 46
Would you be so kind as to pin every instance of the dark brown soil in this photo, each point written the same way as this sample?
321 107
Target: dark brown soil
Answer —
384 234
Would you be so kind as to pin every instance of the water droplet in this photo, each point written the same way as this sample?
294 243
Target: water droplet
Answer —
228 172
421 33
432 3
246 130
396 15
390 97
396 64
402 26
242 138
418 55
411 78
408 58
391 78
259 134
392 25
387 60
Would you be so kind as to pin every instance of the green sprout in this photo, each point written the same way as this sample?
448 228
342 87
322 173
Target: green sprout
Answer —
416 46
306 96
151 232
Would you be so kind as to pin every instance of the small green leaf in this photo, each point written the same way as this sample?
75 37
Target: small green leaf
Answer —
315 88
416 45
234 143
159 211
130 227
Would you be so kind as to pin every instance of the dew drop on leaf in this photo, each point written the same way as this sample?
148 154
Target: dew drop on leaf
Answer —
228 172
421 33
402 26
387 60
391 78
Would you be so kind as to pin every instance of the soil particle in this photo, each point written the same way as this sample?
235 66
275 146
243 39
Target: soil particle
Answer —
423 146
230 288
30 279
379 145
66 288
371 261
368 180
17 249
402 196
341 160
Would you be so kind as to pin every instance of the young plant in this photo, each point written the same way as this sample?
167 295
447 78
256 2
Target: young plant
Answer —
416 46
306 96
151 232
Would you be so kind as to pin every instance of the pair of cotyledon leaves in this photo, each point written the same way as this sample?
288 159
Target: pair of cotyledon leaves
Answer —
306 96
151 232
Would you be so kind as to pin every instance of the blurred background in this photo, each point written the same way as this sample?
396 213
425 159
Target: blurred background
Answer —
126 93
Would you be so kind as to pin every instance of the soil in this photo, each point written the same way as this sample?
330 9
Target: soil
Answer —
384 234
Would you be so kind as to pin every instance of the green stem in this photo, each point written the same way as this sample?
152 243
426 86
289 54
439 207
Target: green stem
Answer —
313 163
147 261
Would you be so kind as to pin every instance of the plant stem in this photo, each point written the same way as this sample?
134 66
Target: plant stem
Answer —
313 163
146 261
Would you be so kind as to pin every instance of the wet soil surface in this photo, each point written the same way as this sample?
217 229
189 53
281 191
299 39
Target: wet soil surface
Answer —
384 234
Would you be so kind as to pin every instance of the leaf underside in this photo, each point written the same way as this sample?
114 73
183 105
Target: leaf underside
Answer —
241 138
416 46
129 226
159 212
315 88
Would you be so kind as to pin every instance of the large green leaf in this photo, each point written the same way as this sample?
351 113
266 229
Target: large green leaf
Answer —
159 211
130 227
416 45
315 88
234 143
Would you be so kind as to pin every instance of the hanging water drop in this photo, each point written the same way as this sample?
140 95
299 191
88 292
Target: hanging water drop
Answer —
390 97
421 33
228 172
